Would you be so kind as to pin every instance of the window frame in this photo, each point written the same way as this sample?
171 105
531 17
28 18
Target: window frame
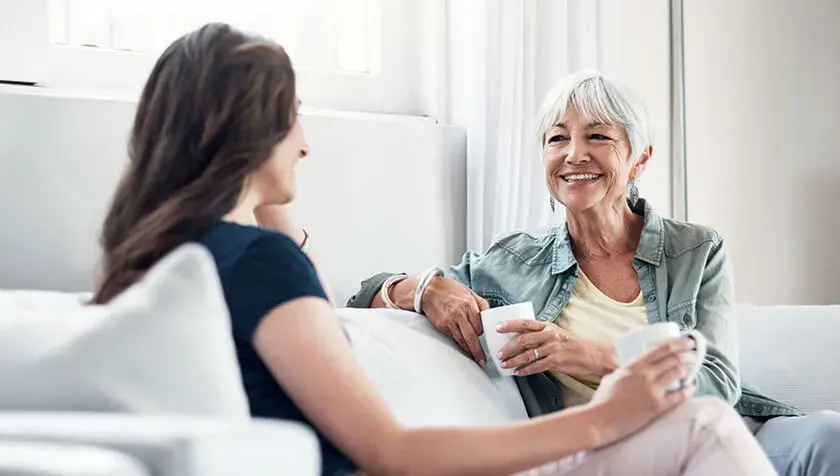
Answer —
410 42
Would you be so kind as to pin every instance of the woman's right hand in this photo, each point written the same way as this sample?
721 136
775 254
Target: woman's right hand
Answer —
635 395
455 310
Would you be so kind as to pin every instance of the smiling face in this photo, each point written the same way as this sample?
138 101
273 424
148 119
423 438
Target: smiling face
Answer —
588 162
594 135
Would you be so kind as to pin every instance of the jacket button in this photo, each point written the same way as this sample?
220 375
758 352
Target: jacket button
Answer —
686 319
652 298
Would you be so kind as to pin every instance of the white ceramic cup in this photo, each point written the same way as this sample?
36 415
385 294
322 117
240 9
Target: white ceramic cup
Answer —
495 341
635 343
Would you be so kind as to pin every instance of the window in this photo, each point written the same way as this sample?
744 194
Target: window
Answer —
327 35
362 55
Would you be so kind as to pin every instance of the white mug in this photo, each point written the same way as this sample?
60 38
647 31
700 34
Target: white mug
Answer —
636 342
491 318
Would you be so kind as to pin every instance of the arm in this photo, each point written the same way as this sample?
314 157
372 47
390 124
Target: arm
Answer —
345 406
717 322
403 293
559 350
563 352
448 302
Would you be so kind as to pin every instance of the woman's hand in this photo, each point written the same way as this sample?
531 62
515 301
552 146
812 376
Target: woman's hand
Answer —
455 310
633 396
544 346
279 217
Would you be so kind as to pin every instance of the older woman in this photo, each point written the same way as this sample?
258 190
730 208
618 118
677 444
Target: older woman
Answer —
615 266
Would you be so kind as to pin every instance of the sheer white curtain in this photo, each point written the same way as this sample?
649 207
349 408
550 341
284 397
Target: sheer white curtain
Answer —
506 55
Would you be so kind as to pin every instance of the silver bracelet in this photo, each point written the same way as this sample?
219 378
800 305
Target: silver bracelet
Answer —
425 279
385 290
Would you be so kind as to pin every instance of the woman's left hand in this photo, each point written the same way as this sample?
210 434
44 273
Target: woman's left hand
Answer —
279 217
544 346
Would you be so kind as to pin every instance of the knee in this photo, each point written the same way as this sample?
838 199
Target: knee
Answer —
710 404
819 433
714 406
709 411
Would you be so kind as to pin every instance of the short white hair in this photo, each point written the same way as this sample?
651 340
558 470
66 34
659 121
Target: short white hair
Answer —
599 99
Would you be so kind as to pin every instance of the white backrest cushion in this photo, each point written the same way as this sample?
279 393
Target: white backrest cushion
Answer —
162 346
792 353
424 377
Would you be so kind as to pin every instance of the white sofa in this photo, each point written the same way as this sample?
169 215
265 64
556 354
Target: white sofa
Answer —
788 351
147 384
110 444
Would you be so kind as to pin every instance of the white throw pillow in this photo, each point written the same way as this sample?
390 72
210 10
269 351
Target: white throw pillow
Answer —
162 346
423 376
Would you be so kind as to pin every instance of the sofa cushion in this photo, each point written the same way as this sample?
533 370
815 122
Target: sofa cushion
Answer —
162 346
423 375
791 353
20 458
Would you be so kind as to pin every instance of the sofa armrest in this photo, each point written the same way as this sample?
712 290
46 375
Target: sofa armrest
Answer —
30 458
178 445
791 353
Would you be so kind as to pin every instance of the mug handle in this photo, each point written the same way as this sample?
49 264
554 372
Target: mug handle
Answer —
700 349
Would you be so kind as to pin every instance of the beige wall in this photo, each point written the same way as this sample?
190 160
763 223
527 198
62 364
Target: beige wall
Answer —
763 112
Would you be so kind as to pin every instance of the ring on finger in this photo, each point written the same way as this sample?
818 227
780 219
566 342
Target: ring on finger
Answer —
536 354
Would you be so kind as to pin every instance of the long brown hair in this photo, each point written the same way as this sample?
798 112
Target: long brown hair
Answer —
214 106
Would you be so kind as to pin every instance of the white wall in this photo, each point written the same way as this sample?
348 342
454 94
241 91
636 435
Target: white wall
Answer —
637 51
763 108
377 192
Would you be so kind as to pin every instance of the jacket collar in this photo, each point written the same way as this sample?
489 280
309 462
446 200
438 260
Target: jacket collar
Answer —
651 243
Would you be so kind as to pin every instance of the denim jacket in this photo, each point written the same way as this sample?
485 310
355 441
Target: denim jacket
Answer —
685 275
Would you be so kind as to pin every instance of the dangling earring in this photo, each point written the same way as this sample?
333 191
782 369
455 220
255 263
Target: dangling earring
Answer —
633 195
551 203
